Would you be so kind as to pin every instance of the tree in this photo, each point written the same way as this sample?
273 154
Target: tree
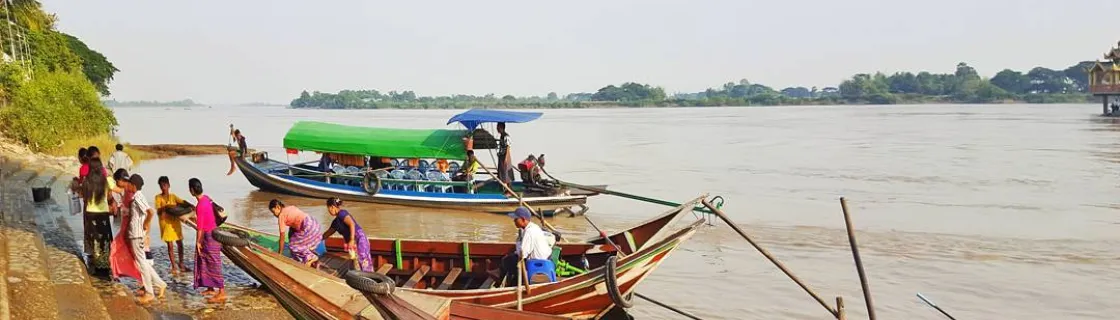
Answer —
552 96
1012 81
95 66
509 97
903 82
798 92
1045 80
1079 73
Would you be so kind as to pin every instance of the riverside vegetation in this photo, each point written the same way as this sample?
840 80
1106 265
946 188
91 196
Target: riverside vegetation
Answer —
50 94
964 85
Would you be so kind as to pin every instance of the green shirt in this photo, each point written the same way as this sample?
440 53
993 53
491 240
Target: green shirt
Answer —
103 205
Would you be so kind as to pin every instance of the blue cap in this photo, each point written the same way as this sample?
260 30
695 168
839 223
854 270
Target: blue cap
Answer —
521 212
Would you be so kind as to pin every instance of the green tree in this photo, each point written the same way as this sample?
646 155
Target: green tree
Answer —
552 96
53 107
903 82
95 66
1012 81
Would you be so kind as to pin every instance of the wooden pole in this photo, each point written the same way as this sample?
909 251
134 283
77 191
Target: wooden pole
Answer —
840 313
520 273
858 260
519 198
770 257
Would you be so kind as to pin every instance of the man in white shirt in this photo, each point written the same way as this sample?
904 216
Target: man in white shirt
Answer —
533 245
120 160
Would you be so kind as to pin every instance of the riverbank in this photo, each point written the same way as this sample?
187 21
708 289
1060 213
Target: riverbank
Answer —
43 276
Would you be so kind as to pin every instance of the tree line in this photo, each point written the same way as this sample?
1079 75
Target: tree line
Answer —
964 85
50 82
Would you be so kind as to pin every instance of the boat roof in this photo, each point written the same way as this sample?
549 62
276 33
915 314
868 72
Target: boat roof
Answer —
372 141
474 117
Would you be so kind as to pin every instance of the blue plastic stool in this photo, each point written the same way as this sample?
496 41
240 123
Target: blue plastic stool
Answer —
533 267
319 251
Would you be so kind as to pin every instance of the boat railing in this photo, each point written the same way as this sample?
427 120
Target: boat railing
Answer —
301 172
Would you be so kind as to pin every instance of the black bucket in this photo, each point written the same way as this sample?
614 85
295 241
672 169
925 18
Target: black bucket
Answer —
40 194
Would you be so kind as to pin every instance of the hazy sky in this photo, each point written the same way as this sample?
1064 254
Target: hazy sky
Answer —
249 51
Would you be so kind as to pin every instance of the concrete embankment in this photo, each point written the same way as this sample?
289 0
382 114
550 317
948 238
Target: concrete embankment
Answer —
43 274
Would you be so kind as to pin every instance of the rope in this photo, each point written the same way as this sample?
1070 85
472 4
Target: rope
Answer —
698 208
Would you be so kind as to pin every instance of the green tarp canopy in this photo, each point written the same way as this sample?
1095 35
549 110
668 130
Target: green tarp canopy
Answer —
381 142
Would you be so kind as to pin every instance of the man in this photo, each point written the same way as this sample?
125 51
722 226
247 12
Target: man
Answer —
505 171
120 159
533 245
242 147
466 173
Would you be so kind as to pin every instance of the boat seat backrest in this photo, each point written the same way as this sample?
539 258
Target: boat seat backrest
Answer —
338 168
398 174
423 165
453 167
395 163
415 175
381 174
433 175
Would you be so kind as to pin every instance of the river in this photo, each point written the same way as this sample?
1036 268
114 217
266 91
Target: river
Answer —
992 211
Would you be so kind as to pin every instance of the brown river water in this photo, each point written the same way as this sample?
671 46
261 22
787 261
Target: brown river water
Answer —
993 212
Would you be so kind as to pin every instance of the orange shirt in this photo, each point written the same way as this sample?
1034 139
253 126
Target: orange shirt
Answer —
291 217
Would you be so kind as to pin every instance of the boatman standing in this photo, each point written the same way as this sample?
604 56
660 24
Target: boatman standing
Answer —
505 171
533 245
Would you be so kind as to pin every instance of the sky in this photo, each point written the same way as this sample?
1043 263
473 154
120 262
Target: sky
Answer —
269 51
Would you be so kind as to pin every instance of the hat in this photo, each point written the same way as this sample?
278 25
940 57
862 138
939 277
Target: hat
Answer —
521 212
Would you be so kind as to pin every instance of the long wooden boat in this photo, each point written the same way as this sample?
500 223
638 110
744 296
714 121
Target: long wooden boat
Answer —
411 178
309 293
467 271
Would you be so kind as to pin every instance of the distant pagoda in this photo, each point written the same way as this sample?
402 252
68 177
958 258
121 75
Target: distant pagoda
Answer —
1104 79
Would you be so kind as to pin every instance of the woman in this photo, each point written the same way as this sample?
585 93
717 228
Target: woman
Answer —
208 252
96 187
356 242
300 229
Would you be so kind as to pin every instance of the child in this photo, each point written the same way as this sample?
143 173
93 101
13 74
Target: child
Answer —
170 227
139 238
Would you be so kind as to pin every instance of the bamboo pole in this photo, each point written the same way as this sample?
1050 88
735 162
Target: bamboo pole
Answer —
840 313
858 260
519 198
520 273
770 257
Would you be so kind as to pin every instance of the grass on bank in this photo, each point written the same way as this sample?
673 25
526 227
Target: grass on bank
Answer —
105 143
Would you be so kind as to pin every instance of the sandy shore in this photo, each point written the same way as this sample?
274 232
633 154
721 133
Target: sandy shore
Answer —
17 151
163 151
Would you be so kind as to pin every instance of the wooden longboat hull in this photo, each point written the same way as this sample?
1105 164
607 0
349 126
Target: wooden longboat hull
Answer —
581 297
484 258
312 294
316 189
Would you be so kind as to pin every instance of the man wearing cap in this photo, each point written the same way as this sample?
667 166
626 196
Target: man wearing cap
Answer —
532 244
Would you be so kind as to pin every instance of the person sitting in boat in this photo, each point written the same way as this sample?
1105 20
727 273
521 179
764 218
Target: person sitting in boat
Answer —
467 171
299 229
242 147
379 163
534 245
530 171
355 239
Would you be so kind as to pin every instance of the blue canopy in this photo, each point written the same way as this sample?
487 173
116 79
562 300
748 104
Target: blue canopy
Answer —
473 117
